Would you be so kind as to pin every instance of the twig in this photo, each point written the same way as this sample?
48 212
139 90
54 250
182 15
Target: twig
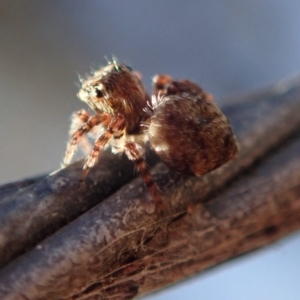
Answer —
123 247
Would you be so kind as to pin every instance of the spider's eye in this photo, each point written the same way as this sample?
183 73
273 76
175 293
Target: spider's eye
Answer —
98 93
129 68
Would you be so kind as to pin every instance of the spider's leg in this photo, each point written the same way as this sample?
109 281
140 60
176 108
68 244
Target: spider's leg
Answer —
134 153
160 84
77 120
116 124
90 123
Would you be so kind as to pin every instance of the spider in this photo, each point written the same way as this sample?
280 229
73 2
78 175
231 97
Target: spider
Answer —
183 124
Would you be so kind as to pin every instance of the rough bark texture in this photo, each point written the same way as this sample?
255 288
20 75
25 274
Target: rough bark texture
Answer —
122 248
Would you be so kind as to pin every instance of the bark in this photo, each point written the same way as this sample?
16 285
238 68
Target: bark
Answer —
119 247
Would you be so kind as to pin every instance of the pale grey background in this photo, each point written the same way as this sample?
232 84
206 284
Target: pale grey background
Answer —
228 46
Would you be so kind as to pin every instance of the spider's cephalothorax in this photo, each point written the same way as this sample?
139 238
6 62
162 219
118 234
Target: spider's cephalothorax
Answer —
185 127
187 130
114 90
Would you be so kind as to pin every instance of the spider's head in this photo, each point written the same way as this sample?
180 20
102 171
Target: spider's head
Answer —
115 89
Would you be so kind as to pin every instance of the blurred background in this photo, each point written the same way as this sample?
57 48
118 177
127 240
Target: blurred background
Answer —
228 46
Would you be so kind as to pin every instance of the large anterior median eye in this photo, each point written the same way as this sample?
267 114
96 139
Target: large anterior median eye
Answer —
98 93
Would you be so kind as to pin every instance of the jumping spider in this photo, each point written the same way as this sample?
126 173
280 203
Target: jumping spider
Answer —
184 126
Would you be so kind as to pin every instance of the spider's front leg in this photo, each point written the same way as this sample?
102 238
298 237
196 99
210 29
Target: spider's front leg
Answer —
134 152
116 125
77 120
88 124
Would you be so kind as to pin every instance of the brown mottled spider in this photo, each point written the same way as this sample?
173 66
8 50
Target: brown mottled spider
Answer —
184 126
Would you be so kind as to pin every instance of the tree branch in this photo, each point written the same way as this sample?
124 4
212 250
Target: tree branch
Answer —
122 247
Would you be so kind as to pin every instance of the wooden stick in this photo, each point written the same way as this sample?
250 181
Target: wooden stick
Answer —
123 247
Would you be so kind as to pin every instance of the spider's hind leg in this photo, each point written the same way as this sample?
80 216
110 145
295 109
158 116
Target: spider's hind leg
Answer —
134 153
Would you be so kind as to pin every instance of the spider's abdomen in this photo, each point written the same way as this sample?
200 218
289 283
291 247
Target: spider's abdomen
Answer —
190 134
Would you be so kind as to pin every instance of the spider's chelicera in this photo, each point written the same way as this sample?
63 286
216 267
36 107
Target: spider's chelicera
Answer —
184 126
